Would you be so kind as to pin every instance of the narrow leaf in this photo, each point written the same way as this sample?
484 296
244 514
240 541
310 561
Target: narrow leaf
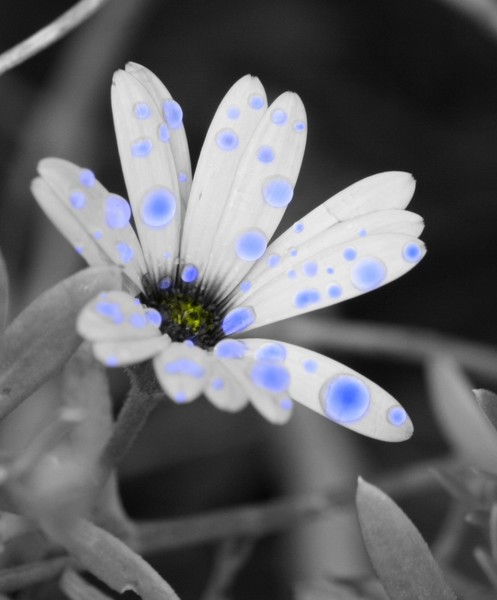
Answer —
487 401
43 337
400 556
487 565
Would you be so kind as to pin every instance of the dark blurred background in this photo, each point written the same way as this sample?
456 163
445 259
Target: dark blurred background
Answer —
387 85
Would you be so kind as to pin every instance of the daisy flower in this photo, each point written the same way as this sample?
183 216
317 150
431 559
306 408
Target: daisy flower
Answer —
197 266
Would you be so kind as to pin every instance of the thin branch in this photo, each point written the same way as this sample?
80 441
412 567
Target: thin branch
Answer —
17 578
47 36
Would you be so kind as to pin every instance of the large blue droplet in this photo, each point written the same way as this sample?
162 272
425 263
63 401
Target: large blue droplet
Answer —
344 398
158 207
154 317
229 349
173 113
184 366
271 351
270 376
117 212
238 320
125 252
396 416
412 252
265 154
141 148
189 273
368 274
277 192
251 245
227 140
306 298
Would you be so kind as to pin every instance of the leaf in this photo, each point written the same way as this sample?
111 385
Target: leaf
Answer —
43 336
4 293
400 556
467 430
487 401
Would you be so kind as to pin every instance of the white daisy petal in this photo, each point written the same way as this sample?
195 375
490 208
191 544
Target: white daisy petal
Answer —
223 389
337 392
229 133
117 316
94 220
149 171
262 188
263 380
326 278
182 371
121 353
175 129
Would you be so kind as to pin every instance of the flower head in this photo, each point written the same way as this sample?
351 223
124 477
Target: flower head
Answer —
198 269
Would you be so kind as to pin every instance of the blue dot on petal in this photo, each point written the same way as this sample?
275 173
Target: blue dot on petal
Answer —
217 384
158 207
298 227
77 199
184 366
238 320
111 311
189 343
173 113
125 252
226 139
87 178
412 252
189 273
117 212
292 274
233 112
286 403
310 365
273 260
141 148
344 398
229 349
163 133
310 268
396 416
138 320
182 177
245 286
165 283
111 361
270 376
368 274
250 245
306 298
265 154
142 110
334 290
271 351
330 270
256 101
180 397
277 191
299 126
279 116
350 254
293 252
154 317
97 235
362 232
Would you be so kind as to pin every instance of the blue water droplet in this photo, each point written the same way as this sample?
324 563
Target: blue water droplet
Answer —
97 235
189 343
184 366
141 148
245 286
173 113
298 227
233 112
334 290
111 361
310 268
273 260
180 397
362 232
238 320
125 252
344 398
299 126
256 101
79 249
182 177
158 207
286 404
87 178
350 254
137 320
189 273
229 349
153 317
117 212
279 116
368 274
77 199
271 351
396 416
293 252
217 384
270 376
250 245
226 139
306 298
310 365
412 252
142 110
265 154
277 191
292 274
165 283
330 270
163 133
111 311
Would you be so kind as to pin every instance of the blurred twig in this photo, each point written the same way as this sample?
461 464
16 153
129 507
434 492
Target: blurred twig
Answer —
481 12
49 34
17 578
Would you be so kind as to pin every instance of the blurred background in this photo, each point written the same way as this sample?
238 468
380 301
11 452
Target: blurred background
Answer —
387 85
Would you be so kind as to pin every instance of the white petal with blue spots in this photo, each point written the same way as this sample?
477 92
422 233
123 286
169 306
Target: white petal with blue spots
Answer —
122 353
222 389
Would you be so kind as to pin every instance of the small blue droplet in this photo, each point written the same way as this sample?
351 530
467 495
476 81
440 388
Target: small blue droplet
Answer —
77 199
344 398
396 416
368 274
87 178
163 133
185 366
330 270
138 320
182 177
256 101
279 116
227 140
141 148
167 255
250 245
189 273
189 343
270 376
310 365
117 212
350 254
97 235
412 252
299 126
298 227
306 298
293 252
362 232
142 110
292 274
111 361
125 252
310 268
154 317
173 113
245 286
286 403
180 397
137 302
265 154
238 320
79 249
165 283
158 207
273 260
217 384
277 192
229 349
111 311
233 112
271 351
334 291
